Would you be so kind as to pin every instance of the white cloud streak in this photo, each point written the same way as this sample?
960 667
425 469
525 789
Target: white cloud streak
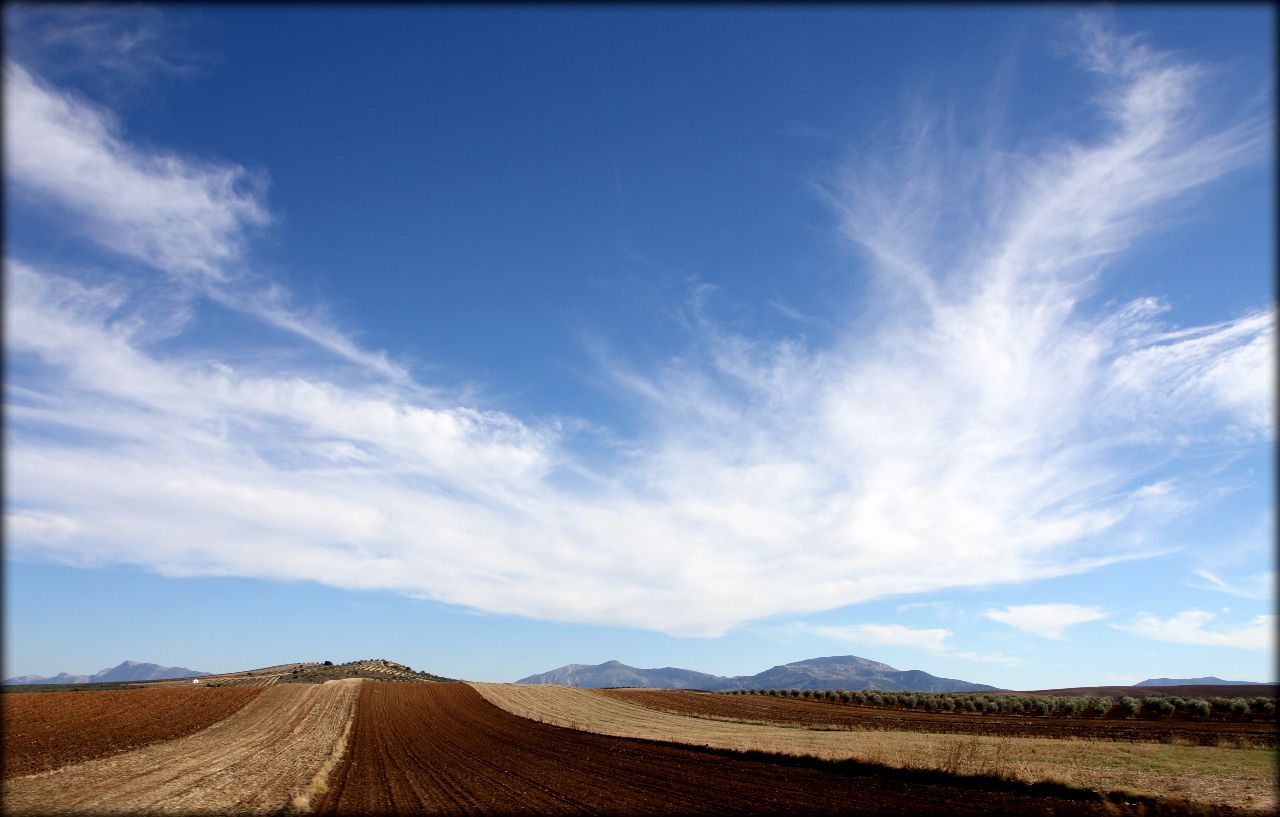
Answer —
1189 627
982 429
1045 620
1258 586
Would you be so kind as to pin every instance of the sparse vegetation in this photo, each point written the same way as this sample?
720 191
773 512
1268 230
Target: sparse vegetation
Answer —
373 668
1164 769
1043 706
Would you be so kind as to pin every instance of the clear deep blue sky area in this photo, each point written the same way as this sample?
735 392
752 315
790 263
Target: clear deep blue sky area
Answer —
494 339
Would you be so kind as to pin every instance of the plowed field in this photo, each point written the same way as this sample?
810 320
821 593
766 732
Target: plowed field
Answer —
442 749
820 714
1237 777
48 730
254 761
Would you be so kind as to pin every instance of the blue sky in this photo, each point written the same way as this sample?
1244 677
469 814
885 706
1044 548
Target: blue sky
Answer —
491 340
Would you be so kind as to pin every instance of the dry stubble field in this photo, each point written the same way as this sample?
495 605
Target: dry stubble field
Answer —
442 749
374 747
830 715
1242 778
256 761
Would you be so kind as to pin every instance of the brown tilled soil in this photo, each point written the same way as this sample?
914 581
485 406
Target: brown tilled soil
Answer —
1186 691
828 714
48 730
442 749
253 762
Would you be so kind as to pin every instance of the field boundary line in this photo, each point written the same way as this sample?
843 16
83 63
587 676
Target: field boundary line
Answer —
301 801
1243 778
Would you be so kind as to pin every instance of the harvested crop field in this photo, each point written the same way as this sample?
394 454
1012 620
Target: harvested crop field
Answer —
442 749
1242 778
48 730
766 709
255 761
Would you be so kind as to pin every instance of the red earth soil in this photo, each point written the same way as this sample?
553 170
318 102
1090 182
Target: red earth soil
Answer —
1186 691
48 730
443 749
818 714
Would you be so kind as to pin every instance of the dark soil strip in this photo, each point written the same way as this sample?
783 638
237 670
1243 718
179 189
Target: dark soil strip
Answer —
442 749
832 715
48 730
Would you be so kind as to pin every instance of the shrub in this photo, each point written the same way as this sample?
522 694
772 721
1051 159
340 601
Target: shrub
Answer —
1239 706
931 704
1200 707
1044 706
845 697
877 698
991 707
949 704
860 697
1164 708
1130 706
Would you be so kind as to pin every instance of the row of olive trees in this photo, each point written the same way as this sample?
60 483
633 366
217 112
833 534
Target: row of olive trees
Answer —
1042 705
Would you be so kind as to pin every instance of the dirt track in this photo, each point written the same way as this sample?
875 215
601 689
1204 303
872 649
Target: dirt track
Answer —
824 714
252 762
442 749
47 730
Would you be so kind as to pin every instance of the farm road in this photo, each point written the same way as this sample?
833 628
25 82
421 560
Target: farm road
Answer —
443 749
252 762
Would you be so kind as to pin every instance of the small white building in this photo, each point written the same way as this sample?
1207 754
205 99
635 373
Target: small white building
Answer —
195 680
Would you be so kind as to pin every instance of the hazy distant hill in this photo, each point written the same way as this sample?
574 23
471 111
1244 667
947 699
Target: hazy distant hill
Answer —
128 671
617 674
1186 682
834 672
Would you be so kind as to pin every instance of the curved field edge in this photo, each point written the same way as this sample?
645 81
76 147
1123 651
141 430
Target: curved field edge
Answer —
44 731
443 749
254 762
815 714
1240 778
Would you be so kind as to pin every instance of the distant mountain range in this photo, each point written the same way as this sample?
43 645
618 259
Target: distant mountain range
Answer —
1186 682
834 672
128 671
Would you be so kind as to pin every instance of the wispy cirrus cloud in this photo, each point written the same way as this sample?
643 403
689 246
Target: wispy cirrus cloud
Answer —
1045 620
188 219
980 427
1191 627
1258 586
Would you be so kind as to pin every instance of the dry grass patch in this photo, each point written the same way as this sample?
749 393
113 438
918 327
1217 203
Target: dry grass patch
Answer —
1243 778
253 762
